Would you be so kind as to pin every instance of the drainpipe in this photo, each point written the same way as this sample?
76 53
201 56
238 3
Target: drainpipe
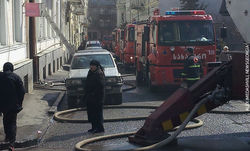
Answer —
32 46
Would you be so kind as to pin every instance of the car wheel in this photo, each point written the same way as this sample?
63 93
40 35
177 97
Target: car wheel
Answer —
72 102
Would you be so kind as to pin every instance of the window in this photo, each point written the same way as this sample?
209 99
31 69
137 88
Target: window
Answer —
154 33
17 21
131 34
49 6
1 20
101 22
186 33
102 11
2 25
94 35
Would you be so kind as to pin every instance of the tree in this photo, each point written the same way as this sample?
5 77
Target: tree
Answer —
192 5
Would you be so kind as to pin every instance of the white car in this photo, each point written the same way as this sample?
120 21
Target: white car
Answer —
78 73
93 45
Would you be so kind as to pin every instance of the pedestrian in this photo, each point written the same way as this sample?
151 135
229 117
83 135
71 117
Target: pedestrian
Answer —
192 68
94 96
11 94
82 46
224 55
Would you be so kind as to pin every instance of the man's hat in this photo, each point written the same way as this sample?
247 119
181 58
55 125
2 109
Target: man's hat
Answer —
95 63
8 67
190 50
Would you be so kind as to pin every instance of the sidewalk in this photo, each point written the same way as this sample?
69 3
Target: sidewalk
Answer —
34 117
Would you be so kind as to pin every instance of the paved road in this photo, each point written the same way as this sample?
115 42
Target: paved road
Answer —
219 132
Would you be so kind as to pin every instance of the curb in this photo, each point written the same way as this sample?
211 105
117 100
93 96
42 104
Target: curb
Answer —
53 108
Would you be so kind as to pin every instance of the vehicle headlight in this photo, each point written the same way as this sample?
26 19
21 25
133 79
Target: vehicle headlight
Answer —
71 82
114 80
111 80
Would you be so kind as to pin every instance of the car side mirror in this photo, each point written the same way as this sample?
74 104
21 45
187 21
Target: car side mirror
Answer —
66 67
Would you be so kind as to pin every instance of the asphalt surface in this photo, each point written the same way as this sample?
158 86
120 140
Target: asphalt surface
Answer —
219 132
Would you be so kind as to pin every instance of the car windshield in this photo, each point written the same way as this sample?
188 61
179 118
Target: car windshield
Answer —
94 45
82 61
188 32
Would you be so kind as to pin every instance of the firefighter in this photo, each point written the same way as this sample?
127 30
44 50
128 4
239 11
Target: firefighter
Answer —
11 94
224 55
94 96
192 68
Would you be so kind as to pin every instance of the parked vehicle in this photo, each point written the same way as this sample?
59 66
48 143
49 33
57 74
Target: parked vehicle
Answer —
119 37
107 42
161 44
127 55
78 73
93 45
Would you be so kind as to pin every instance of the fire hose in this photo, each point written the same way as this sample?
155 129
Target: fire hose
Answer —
217 96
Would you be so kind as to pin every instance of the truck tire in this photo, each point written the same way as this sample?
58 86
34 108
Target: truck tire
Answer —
72 102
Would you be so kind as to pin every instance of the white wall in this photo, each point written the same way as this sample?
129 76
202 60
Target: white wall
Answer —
12 35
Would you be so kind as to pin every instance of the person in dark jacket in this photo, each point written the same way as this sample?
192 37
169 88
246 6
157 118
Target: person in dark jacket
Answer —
192 68
94 96
11 94
82 46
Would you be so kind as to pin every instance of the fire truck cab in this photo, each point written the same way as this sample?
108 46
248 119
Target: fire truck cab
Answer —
161 44
128 52
118 42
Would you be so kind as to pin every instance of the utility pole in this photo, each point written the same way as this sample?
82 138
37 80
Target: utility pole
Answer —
32 45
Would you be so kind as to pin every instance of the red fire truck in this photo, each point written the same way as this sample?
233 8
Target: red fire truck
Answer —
107 42
161 43
118 44
128 52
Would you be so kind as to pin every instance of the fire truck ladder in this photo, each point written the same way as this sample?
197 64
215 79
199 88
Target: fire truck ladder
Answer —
70 48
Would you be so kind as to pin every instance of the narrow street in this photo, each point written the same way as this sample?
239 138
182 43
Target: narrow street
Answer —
229 130
163 75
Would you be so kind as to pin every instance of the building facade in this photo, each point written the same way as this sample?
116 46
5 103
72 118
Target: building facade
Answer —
103 18
31 44
130 11
13 40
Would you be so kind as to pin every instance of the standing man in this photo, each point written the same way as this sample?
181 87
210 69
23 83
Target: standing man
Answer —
224 55
11 94
94 96
192 68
